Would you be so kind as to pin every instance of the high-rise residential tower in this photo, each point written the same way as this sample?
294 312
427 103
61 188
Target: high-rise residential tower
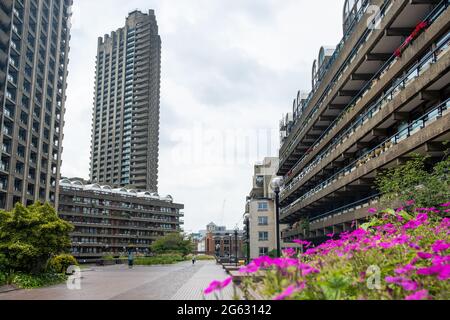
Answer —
34 46
125 131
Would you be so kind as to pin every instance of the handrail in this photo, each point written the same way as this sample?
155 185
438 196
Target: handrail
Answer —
338 210
348 206
383 147
368 114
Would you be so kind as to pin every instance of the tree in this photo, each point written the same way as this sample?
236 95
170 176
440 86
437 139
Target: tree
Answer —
173 242
30 236
412 181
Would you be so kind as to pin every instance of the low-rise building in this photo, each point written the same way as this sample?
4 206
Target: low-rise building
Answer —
224 243
261 212
114 221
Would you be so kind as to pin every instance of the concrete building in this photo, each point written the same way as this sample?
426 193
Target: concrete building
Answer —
34 47
378 97
113 221
222 243
125 131
260 211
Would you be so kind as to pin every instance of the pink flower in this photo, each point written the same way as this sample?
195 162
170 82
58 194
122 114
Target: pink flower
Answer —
407 284
213 286
306 244
330 235
372 210
289 252
289 291
410 202
404 270
424 255
251 268
447 204
441 271
419 295
218 285
440 246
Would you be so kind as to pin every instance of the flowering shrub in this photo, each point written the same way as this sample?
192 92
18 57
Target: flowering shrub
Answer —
399 254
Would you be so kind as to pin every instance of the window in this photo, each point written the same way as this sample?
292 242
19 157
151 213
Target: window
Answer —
259 181
263 206
263 236
264 251
263 221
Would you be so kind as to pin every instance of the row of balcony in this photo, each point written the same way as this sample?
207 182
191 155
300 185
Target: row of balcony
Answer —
431 57
384 147
313 113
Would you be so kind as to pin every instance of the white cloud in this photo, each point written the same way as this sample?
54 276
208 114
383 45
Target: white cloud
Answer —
229 67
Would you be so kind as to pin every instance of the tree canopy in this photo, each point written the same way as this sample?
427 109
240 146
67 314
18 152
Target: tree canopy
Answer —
173 242
30 236
412 181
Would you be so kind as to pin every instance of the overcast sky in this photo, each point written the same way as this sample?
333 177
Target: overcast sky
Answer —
230 69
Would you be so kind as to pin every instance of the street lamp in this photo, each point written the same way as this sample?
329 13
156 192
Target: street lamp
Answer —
247 231
230 250
236 245
276 184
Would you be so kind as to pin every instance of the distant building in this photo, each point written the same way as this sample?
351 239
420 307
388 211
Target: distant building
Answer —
260 208
114 221
125 132
198 239
222 242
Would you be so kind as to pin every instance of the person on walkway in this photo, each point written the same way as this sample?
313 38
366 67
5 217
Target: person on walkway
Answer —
194 259
130 259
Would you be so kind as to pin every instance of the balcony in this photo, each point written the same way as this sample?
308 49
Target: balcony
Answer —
429 129
345 86
404 94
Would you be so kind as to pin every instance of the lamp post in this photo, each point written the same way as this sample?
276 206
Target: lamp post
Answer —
236 245
276 184
230 248
247 231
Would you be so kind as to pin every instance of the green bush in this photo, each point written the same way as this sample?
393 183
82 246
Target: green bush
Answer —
29 281
61 263
108 257
160 260
173 243
30 236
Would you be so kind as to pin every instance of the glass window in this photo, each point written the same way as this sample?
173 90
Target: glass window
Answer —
263 236
263 221
263 206
263 251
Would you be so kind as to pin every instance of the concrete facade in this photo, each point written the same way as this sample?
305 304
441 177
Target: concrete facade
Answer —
125 131
34 47
114 221
370 109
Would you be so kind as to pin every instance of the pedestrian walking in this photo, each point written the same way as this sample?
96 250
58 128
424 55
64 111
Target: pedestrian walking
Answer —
130 259
194 259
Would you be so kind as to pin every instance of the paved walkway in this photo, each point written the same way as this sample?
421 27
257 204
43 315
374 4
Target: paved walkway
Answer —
175 282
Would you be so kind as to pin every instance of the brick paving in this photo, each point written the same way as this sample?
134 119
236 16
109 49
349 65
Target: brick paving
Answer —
182 281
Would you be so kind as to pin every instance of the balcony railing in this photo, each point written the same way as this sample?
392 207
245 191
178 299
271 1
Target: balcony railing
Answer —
379 150
432 56
362 40
431 18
